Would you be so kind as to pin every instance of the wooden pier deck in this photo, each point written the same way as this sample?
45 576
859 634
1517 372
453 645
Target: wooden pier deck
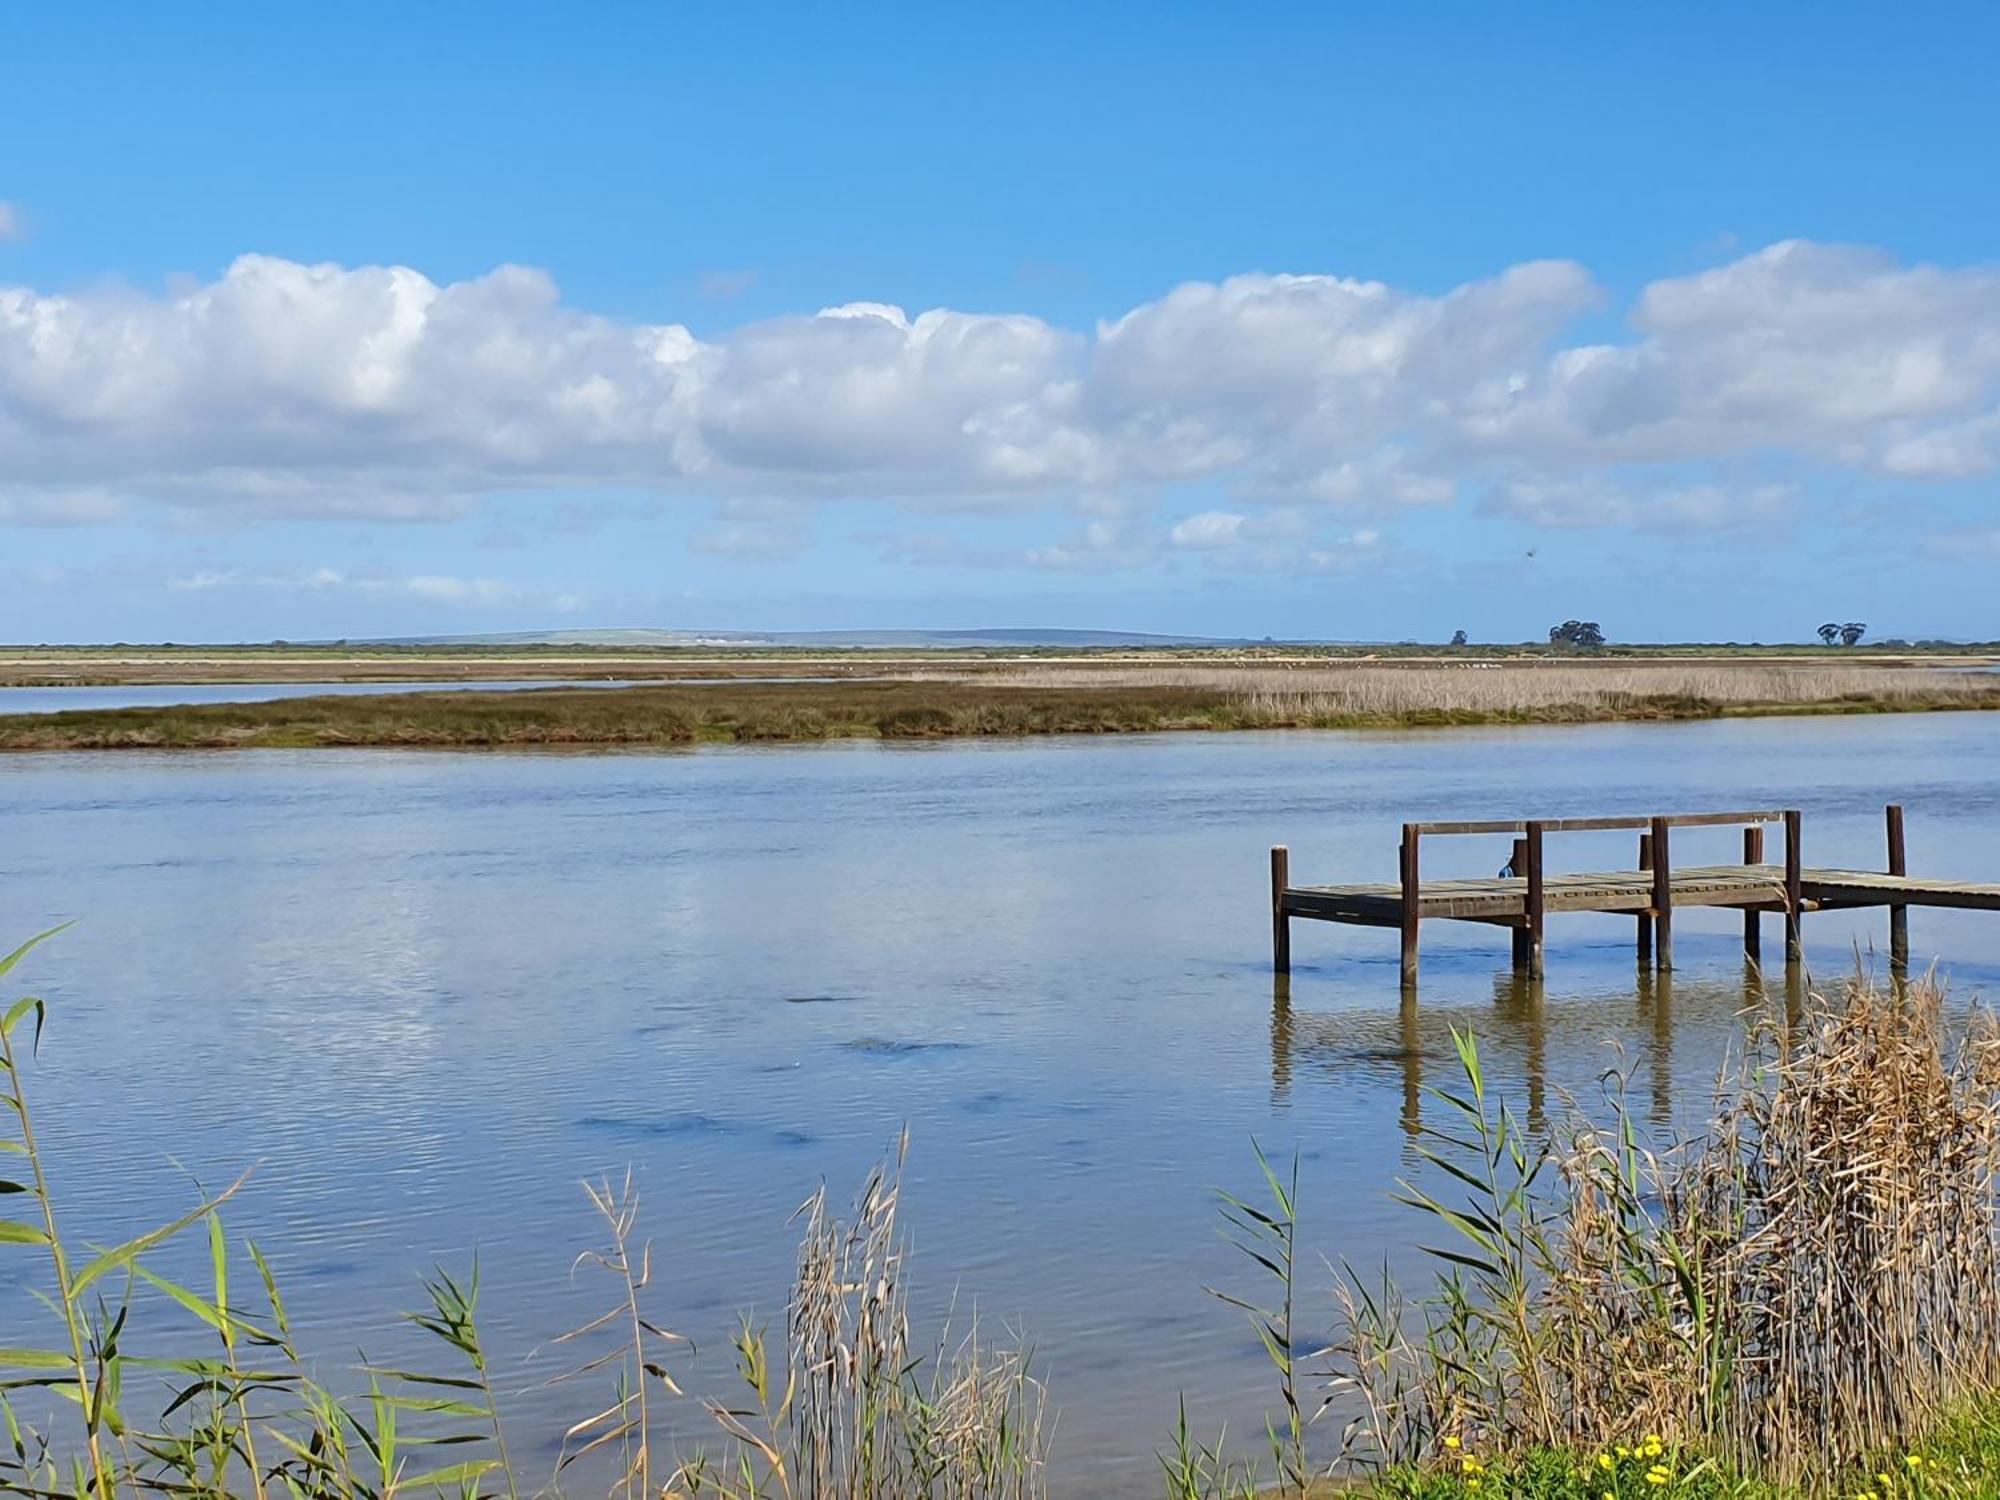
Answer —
1523 895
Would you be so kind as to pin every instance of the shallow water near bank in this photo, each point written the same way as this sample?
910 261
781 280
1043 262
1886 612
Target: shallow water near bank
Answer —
424 994
56 700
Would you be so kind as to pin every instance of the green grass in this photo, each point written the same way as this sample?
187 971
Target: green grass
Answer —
1960 1459
1958 1462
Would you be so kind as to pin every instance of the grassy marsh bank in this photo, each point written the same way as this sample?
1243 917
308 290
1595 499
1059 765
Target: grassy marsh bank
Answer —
1023 700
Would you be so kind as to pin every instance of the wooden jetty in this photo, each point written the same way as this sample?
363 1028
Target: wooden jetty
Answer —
1521 897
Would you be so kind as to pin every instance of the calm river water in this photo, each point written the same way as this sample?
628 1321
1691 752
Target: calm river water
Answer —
425 994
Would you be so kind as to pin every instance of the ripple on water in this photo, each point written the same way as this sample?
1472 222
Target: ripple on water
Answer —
654 1127
880 1046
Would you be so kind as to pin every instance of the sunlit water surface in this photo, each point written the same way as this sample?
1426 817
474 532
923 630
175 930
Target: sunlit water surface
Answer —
424 994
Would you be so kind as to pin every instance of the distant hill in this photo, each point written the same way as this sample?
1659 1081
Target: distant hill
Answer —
907 640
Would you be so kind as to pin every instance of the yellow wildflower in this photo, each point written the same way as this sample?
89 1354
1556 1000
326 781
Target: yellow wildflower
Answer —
1914 1460
1472 1466
1604 1461
1884 1480
1451 1442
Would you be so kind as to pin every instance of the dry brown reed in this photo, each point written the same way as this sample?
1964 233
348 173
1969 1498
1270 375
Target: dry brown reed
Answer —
843 1411
1860 1298
1805 1282
1337 691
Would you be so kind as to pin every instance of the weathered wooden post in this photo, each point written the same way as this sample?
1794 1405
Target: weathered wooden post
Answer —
1524 955
1899 914
1537 913
1663 897
1795 949
1645 922
1412 900
1753 919
1281 920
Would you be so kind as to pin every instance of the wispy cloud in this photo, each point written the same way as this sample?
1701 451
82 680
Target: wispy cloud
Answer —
429 588
1980 542
1283 540
1581 503
756 527
73 508
727 286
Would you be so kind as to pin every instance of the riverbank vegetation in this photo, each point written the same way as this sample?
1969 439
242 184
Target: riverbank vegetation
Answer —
1801 1298
1020 700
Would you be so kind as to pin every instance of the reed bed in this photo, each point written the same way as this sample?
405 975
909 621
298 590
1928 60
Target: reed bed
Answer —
1809 1283
1312 692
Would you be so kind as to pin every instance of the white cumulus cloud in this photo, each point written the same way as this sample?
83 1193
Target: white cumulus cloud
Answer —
374 392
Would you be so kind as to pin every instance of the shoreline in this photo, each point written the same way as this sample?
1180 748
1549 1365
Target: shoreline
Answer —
922 708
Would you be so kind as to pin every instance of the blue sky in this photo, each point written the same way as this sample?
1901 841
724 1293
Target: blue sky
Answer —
1348 321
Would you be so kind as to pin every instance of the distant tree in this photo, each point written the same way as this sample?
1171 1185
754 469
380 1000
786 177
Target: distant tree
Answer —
1576 633
1851 633
1829 633
1458 637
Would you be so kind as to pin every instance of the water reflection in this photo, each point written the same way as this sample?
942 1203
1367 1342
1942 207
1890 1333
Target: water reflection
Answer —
1414 1042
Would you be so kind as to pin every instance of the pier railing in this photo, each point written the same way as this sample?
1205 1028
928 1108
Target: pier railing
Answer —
1599 825
1655 928
1522 895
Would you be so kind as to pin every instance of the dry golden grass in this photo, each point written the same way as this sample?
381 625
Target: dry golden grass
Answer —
1519 689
